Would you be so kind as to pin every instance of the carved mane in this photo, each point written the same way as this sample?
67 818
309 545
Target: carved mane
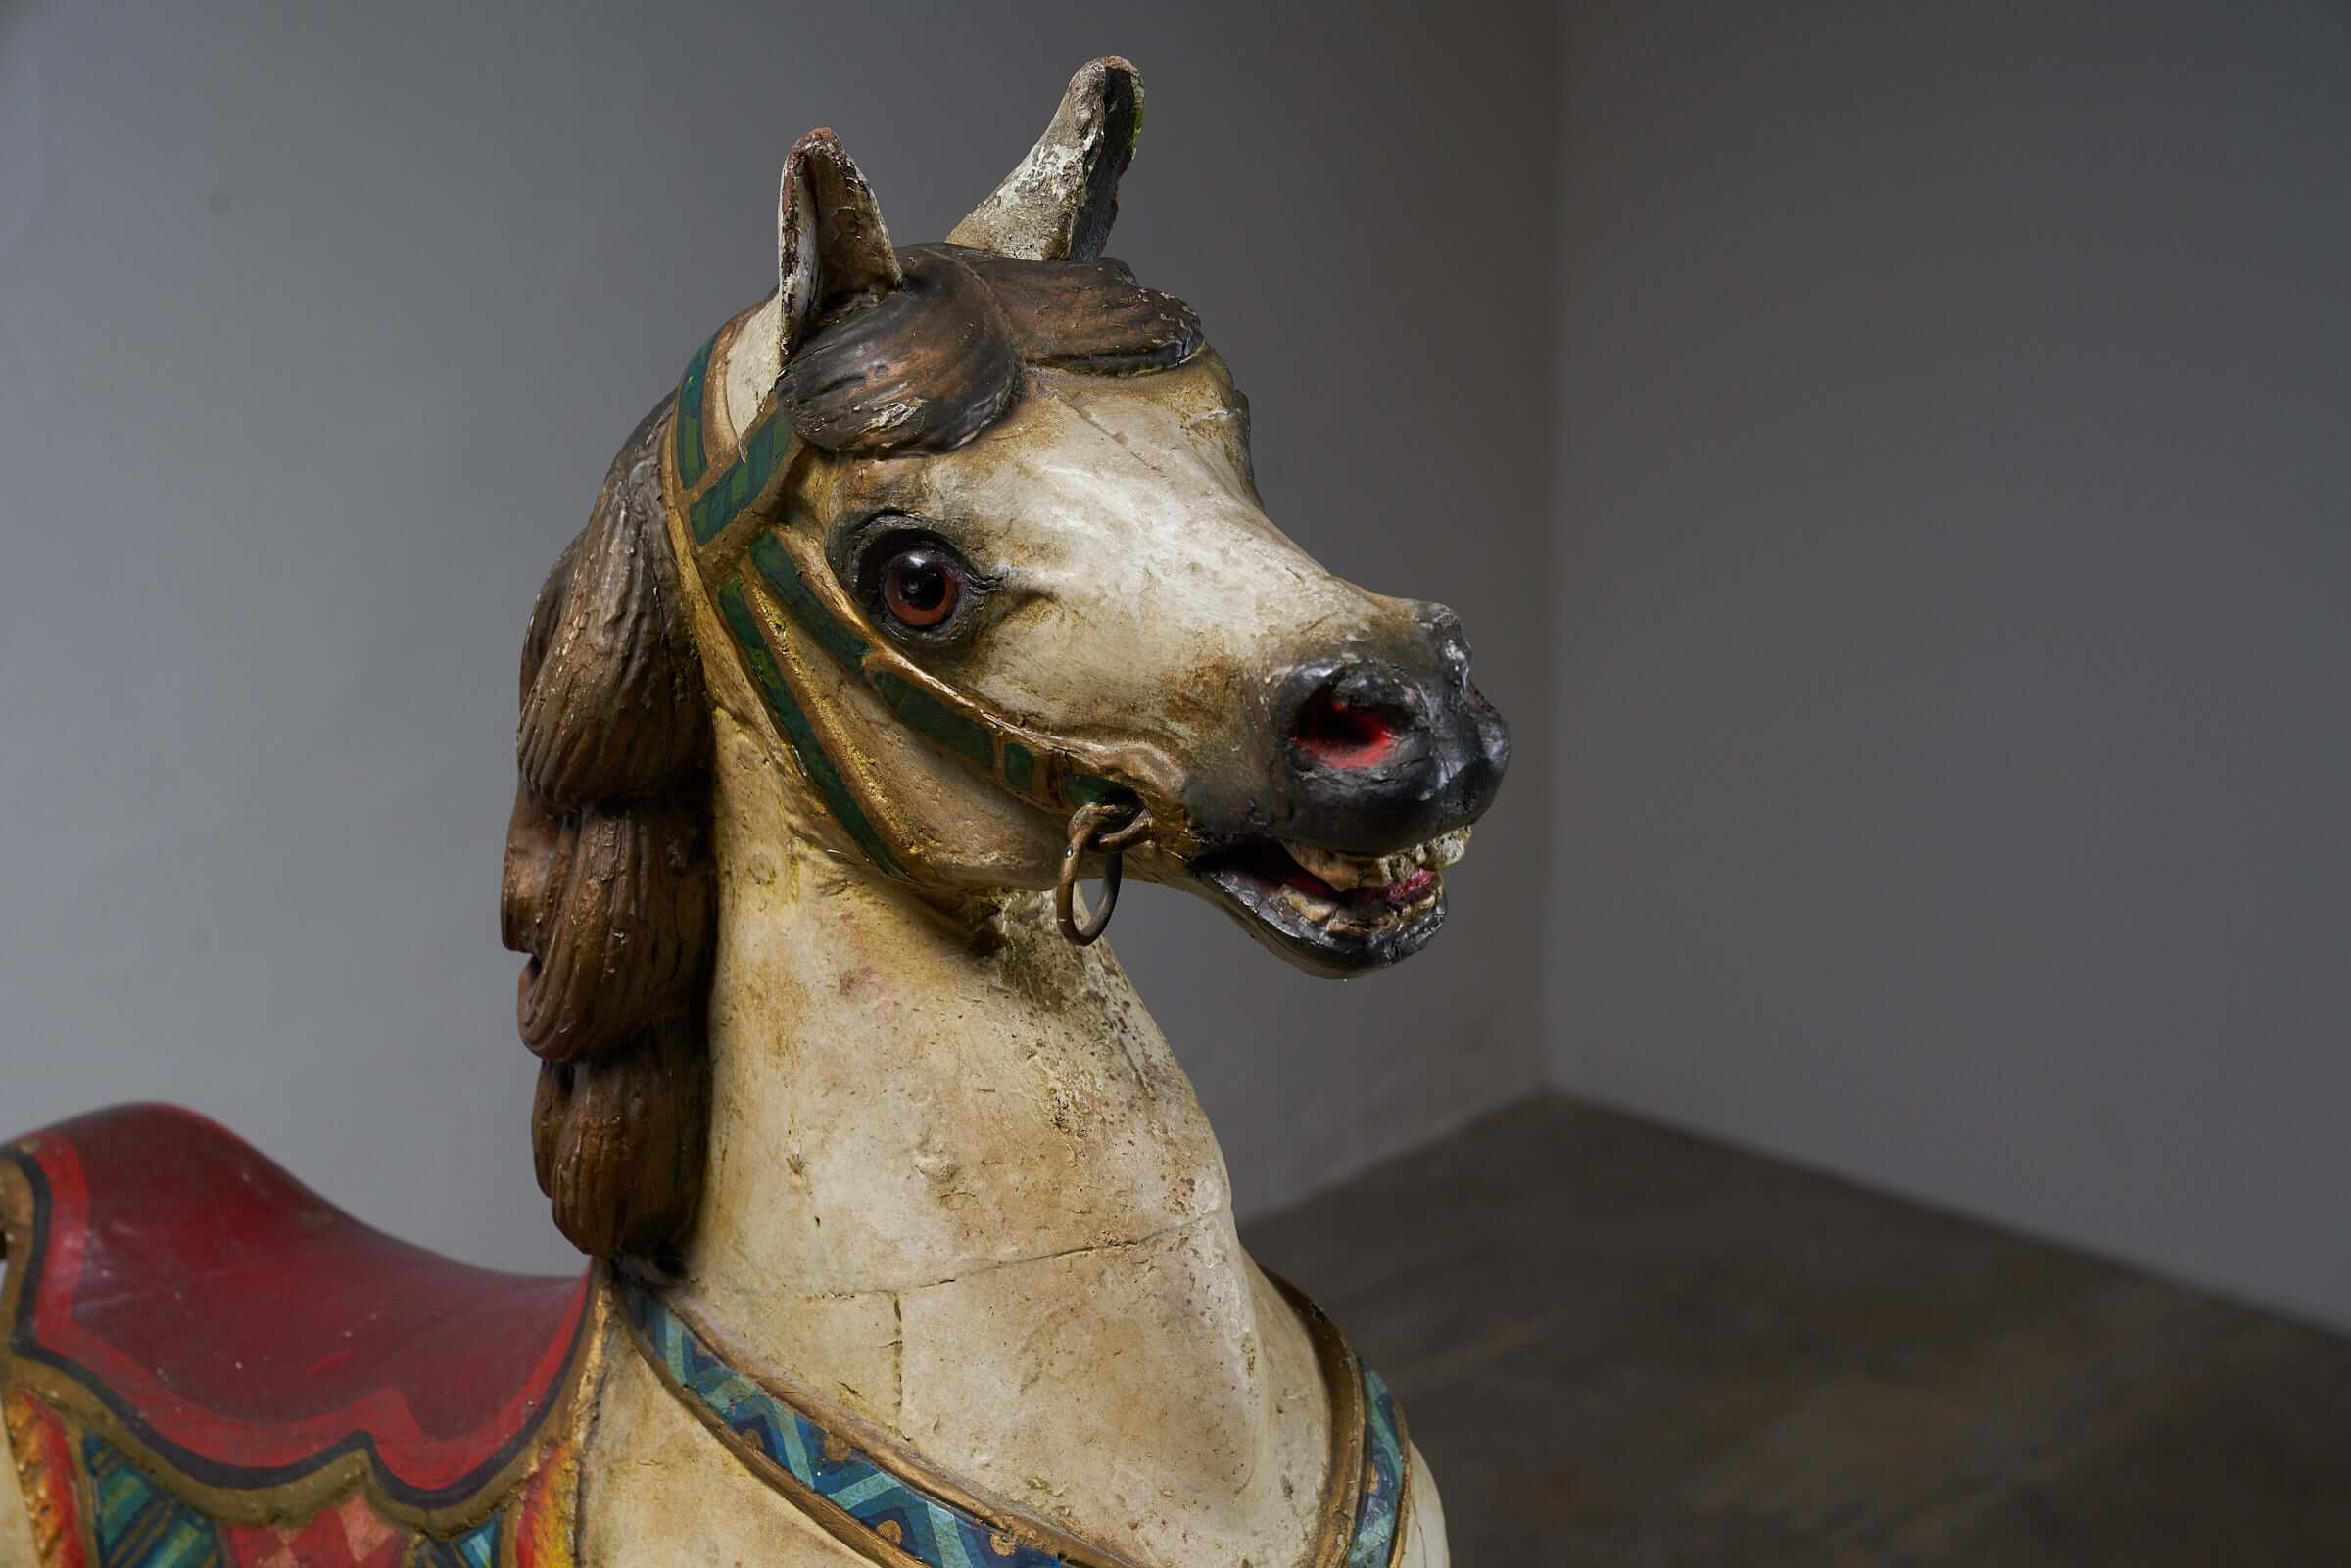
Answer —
608 879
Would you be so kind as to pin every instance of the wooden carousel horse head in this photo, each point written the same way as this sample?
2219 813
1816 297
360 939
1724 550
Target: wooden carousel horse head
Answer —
967 536
970 532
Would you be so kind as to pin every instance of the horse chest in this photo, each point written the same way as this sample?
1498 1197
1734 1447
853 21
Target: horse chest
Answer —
691 1461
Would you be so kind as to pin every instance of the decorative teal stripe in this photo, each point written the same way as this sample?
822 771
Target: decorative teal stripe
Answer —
1383 1477
927 1529
1020 768
766 449
916 708
1088 790
692 460
139 1525
783 575
735 610
476 1549
763 452
926 715
930 1529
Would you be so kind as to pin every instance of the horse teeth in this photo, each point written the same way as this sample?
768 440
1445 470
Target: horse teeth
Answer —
1345 873
1445 848
1307 904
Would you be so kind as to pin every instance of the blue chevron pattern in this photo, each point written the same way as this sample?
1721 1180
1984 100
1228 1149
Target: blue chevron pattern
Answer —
137 1523
1375 1540
927 1529
476 1549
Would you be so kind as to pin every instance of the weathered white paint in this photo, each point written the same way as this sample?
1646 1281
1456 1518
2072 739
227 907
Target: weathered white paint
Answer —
16 1525
1037 208
757 358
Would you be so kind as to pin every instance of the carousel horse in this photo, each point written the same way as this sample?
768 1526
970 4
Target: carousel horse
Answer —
939 584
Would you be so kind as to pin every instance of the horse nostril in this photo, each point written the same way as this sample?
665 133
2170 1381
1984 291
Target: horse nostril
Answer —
1339 735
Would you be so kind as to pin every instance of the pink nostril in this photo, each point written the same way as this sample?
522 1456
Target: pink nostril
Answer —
1338 736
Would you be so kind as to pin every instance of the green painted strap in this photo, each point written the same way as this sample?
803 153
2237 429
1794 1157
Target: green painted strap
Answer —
782 577
692 458
766 449
916 708
971 739
1020 768
764 452
926 716
751 643
1088 790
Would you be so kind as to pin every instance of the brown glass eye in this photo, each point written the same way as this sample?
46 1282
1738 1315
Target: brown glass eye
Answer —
920 586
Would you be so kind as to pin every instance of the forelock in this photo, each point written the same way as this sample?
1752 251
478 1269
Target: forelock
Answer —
931 366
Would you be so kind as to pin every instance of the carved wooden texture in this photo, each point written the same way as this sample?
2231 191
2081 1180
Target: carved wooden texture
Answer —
608 876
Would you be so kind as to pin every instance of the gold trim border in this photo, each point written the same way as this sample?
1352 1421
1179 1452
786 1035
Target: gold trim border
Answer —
29 1474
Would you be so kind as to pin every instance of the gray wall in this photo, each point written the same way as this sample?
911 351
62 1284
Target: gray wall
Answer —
318 329
1954 542
1940 640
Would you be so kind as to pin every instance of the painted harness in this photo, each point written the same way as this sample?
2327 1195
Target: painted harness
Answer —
778 599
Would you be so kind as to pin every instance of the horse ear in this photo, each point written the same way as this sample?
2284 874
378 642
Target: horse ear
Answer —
831 246
1060 203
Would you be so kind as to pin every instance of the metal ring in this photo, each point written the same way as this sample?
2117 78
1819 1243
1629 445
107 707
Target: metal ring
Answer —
1090 828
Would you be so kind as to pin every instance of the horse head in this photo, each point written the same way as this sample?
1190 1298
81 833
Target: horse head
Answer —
1020 517
962 543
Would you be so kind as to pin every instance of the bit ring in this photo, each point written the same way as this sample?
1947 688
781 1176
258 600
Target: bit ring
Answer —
1097 826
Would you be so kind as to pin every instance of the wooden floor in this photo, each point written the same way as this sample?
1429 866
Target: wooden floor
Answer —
1621 1345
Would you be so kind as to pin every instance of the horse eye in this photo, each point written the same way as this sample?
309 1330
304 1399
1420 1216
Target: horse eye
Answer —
920 586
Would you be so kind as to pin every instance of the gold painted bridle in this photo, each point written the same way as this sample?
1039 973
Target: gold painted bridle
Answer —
782 607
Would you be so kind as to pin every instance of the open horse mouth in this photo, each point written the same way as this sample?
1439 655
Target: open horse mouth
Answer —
1330 909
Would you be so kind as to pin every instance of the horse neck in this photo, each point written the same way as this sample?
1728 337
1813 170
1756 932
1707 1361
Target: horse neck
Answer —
907 1096
959 1188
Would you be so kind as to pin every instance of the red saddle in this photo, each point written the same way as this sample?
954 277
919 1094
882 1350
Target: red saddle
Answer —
249 1332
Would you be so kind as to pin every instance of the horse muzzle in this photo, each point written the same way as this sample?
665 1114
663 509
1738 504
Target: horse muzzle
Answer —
1381 760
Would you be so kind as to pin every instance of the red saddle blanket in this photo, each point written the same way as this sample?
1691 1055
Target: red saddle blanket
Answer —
248 1331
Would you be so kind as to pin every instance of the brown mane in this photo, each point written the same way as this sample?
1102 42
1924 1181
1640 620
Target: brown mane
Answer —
608 884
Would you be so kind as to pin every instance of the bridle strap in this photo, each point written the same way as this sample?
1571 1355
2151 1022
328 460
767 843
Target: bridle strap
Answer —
750 562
